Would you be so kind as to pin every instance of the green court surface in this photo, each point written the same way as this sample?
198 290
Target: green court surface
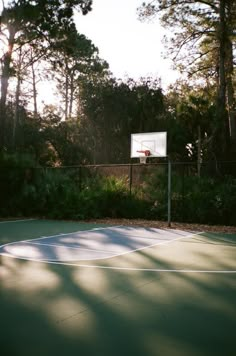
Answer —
176 297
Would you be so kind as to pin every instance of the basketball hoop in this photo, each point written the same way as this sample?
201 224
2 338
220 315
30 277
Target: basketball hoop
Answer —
146 152
143 159
151 144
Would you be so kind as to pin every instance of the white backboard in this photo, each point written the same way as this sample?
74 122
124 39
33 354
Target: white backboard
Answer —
155 142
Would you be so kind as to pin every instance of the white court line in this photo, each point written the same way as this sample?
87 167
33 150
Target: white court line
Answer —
30 241
59 235
71 233
143 247
131 269
116 254
70 247
125 268
156 244
13 221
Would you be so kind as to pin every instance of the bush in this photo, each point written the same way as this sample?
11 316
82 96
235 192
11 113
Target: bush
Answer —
57 194
15 172
196 200
60 193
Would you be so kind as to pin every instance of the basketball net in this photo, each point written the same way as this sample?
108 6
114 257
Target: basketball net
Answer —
143 159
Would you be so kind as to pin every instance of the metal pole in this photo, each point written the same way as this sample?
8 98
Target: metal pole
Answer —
130 178
199 152
80 178
169 192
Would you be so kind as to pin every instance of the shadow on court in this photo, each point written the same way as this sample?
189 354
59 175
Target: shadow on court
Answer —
64 311
49 309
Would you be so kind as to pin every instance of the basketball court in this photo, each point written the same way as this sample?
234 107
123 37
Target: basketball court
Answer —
70 288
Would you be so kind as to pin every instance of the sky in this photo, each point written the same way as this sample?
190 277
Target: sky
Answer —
132 48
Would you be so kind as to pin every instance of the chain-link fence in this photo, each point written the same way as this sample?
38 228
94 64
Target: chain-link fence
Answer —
206 195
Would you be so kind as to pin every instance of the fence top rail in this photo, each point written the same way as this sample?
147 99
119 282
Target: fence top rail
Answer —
138 164
186 163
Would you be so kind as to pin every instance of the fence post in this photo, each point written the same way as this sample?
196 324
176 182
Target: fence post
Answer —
80 178
169 192
183 192
130 178
199 152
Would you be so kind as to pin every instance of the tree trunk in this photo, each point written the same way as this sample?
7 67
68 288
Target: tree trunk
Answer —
16 113
34 89
66 92
6 63
222 114
231 103
71 95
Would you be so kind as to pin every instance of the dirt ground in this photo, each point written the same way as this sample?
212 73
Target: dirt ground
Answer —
164 225
155 224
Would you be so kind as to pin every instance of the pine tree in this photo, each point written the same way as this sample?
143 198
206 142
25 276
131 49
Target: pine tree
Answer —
203 35
28 21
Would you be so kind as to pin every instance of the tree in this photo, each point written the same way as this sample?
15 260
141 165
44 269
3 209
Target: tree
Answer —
190 125
203 37
111 110
62 140
27 21
72 60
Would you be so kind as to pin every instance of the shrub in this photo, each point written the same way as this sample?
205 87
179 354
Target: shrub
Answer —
59 193
15 172
201 200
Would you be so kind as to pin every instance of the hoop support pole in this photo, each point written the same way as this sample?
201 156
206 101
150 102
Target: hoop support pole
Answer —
169 193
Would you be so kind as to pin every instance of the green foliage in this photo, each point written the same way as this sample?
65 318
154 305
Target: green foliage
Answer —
210 200
16 160
191 111
15 172
71 61
42 27
60 193
112 110
196 200
201 43
106 111
155 191
54 193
